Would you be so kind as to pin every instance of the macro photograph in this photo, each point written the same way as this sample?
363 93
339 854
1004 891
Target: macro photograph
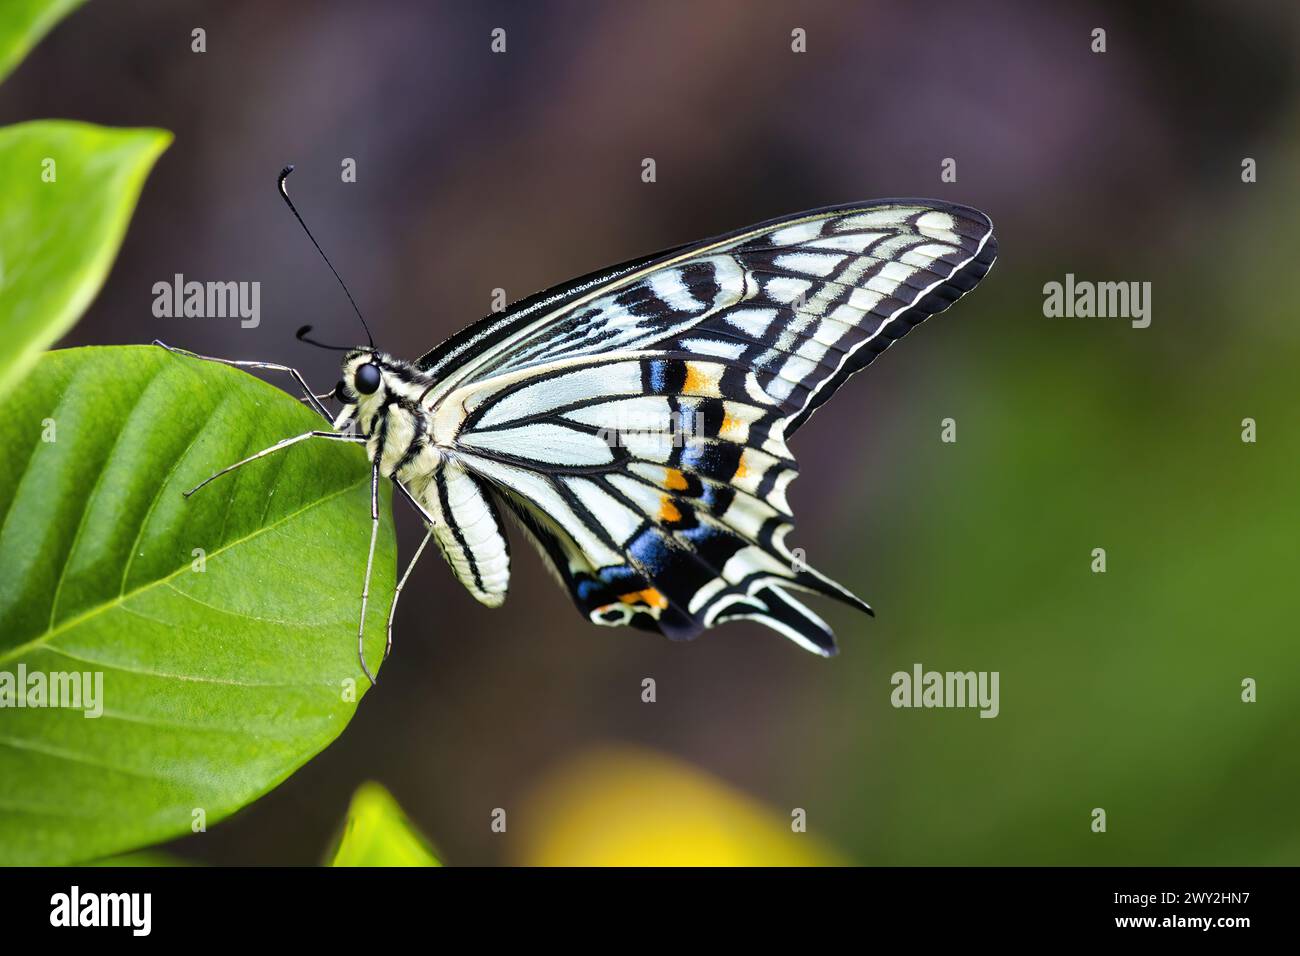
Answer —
526 442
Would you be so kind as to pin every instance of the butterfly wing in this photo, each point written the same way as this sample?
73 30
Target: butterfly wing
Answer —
636 420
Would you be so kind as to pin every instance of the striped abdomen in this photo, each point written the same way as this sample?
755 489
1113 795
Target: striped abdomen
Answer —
468 530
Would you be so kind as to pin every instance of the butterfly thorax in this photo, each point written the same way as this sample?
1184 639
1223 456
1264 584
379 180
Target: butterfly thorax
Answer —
382 398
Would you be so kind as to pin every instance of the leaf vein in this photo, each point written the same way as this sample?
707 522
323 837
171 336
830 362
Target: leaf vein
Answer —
51 633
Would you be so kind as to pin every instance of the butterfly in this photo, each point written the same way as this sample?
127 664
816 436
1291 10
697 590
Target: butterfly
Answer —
635 421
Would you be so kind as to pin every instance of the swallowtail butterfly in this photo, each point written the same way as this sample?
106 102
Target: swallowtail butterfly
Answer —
636 421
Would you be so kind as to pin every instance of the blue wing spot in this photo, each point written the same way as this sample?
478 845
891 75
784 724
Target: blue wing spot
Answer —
649 549
658 376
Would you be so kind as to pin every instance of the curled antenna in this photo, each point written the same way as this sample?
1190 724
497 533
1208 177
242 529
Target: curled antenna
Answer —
301 336
284 191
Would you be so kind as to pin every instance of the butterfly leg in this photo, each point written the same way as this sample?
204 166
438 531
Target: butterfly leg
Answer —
414 503
392 611
311 397
370 560
336 436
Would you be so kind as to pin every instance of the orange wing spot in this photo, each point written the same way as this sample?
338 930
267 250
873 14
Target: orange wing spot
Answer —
729 424
698 381
650 597
741 469
674 480
668 511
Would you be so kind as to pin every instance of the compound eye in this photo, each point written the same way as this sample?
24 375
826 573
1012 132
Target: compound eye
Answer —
367 379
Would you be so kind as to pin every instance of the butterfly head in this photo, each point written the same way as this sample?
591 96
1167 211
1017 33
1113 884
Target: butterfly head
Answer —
363 376
367 380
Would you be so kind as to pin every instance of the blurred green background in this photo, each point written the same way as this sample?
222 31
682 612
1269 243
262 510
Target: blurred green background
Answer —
477 171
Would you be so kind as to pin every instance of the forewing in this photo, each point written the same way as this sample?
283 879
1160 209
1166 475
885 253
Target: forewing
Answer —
805 300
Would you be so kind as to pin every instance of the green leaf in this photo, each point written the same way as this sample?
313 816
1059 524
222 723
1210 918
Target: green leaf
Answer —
221 676
58 239
22 25
377 833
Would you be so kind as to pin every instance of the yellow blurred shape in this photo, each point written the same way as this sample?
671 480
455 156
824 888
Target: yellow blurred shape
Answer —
377 833
632 807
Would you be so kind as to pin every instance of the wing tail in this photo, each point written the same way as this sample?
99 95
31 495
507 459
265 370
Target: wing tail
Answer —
772 607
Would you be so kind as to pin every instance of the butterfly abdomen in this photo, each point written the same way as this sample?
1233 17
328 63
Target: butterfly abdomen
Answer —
467 530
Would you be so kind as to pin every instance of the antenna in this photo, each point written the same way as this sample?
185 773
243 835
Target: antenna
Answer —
284 191
302 336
